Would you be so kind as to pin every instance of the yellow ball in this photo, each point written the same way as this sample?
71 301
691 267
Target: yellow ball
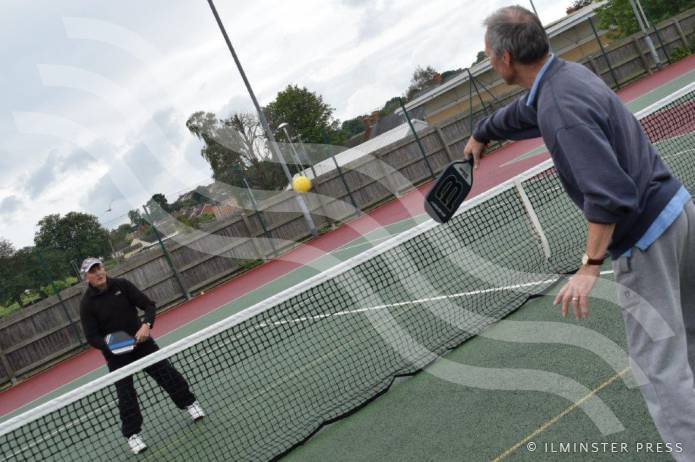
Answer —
301 184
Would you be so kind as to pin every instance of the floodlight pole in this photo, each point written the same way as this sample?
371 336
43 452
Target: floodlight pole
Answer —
533 7
264 122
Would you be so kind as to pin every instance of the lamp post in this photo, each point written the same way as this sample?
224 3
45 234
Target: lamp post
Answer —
264 122
283 126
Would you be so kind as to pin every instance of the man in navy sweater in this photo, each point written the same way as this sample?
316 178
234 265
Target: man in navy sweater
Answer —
110 305
636 210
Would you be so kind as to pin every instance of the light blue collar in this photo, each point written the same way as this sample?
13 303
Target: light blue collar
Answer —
536 83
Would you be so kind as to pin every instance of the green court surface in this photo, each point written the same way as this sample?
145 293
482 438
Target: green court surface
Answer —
431 417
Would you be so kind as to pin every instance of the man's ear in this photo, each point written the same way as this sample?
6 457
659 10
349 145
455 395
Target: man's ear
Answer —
507 58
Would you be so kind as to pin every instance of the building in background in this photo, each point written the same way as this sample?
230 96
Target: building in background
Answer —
570 37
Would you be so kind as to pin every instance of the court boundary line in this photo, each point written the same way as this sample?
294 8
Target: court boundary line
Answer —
549 423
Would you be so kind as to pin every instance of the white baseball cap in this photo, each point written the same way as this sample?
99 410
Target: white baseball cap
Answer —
88 263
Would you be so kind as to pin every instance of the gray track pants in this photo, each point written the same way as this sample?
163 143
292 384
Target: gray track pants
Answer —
656 290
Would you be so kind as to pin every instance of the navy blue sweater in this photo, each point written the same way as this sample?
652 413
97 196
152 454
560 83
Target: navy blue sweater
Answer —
603 158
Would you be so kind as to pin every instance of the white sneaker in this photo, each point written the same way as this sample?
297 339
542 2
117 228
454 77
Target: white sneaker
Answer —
137 445
195 411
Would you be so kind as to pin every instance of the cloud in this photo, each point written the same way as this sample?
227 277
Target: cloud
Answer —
10 205
101 197
42 178
77 159
170 124
144 164
7 163
356 3
237 104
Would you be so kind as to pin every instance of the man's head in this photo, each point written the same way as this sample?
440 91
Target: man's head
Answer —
514 41
93 272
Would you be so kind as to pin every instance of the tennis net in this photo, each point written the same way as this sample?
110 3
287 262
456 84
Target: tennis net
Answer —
270 376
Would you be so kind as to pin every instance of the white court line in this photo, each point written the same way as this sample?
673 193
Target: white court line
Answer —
412 302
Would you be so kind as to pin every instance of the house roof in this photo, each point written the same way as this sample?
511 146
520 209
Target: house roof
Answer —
553 29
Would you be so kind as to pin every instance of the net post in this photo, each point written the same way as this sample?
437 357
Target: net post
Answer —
167 257
535 222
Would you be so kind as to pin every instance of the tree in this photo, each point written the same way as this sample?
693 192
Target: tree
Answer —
236 150
119 236
158 207
450 73
18 272
479 58
306 113
161 200
136 218
6 248
390 106
76 235
200 195
353 127
222 147
248 135
619 14
422 79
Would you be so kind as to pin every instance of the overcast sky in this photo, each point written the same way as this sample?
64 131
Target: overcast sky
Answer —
95 95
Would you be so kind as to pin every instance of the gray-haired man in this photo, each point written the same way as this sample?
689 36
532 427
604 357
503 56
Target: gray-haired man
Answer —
637 211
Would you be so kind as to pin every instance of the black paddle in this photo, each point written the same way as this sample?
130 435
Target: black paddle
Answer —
449 191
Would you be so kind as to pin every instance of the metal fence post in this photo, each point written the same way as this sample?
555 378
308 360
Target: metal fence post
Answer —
8 368
603 52
56 292
417 138
661 44
266 231
341 175
177 276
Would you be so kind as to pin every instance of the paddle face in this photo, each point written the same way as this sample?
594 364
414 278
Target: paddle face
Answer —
449 191
120 342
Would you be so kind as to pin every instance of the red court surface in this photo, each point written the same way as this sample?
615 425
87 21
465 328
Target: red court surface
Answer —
493 171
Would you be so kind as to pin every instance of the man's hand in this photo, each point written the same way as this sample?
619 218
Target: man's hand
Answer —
143 333
577 291
474 148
